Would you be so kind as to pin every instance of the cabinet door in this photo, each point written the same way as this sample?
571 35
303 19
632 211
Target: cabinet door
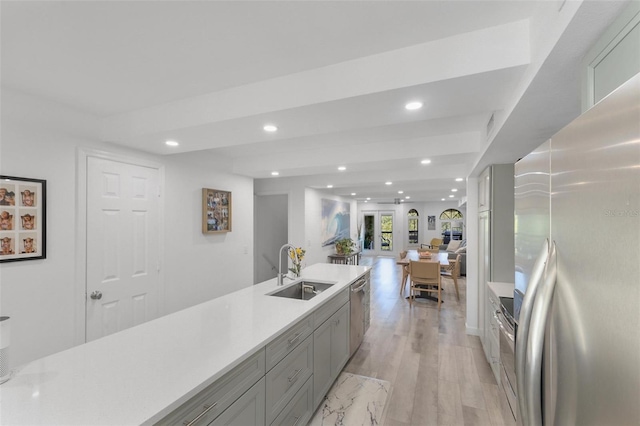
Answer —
330 352
322 361
339 340
249 409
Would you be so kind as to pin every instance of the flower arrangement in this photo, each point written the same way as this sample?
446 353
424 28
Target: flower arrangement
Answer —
296 255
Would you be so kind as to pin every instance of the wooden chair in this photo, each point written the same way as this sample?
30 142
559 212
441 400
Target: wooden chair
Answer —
425 278
435 244
405 272
452 271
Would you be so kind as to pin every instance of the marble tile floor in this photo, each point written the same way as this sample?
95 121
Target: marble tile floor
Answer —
353 400
438 373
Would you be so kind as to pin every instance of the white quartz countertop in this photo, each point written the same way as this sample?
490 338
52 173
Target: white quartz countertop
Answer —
141 374
501 289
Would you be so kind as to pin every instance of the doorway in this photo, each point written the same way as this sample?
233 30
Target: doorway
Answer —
271 222
378 232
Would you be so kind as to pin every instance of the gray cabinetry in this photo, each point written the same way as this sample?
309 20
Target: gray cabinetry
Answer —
213 400
492 336
247 410
285 381
288 340
299 410
330 352
287 377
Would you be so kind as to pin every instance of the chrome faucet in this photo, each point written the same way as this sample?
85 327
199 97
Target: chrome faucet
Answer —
280 274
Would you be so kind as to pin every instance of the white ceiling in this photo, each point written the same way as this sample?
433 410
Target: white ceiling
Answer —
333 76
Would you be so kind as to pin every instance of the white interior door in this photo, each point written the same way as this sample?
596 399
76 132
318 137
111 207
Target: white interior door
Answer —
122 246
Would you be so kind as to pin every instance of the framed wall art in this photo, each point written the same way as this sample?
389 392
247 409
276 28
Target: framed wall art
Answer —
23 219
216 211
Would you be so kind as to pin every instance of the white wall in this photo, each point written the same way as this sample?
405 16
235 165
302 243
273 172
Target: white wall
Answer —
39 140
313 220
305 215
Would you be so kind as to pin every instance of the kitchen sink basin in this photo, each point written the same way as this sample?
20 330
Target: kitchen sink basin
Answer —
304 290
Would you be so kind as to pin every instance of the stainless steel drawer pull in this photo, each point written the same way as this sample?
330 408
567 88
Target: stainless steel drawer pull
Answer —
294 338
295 376
207 408
361 288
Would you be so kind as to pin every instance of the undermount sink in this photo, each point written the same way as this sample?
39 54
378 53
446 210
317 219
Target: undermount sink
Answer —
304 290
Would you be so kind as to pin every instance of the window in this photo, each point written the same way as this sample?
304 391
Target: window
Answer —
386 228
451 225
413 226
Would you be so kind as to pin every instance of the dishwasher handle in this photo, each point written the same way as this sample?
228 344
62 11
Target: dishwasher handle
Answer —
358 289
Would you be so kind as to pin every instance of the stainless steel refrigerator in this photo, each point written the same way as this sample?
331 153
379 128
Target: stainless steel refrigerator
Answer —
577 256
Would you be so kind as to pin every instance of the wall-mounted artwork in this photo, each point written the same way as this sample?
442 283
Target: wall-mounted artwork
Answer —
23 219
336 221
431 223
216 211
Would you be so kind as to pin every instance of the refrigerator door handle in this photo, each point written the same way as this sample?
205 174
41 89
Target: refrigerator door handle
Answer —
537 274
541 307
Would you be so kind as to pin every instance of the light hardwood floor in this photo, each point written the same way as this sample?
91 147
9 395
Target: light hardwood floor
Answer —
439 374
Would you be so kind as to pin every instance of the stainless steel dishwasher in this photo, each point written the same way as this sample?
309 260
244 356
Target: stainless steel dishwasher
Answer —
359 311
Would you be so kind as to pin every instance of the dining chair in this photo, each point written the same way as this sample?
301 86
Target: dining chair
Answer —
425 278
452 271
405 271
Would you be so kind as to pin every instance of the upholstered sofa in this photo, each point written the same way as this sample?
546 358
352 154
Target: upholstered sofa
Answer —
453 249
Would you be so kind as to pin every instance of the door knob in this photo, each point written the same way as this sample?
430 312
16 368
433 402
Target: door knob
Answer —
96 295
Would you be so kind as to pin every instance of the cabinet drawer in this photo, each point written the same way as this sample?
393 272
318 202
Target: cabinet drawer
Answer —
286 378
219 395
299 410
288 340
247 410
330 307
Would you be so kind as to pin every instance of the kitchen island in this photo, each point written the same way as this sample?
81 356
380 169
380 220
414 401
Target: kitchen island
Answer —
142 374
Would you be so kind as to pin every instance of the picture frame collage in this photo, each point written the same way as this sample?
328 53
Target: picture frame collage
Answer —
216 211
22 218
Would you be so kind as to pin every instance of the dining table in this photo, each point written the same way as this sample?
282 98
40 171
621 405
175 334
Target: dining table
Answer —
442 257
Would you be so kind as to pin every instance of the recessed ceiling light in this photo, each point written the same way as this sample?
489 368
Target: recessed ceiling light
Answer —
342 168
459 179
365 201
329 186
388 183
407 197
426 161
400 192
353 193
443 199
411 106
402 201
454 190
451 196
270 128
275 173
368 198
171 143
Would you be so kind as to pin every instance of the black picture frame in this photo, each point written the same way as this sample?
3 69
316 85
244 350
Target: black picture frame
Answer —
23 219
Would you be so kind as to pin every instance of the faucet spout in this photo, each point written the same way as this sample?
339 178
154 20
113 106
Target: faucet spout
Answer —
280 274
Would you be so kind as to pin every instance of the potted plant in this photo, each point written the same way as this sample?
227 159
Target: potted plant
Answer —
345 246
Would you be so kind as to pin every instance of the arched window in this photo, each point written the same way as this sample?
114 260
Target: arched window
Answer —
412 216
451 225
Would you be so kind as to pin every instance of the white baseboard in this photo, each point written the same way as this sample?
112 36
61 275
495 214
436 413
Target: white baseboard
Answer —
473 331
